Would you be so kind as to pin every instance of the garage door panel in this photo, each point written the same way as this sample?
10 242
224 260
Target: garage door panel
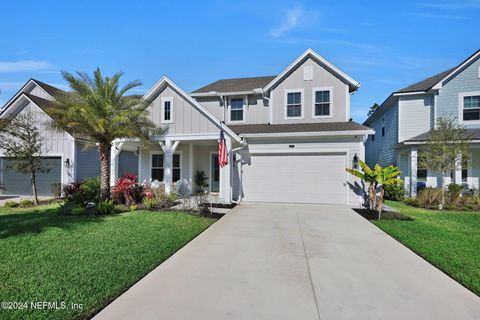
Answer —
19 184
303 178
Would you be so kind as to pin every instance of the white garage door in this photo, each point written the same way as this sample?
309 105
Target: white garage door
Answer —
301 178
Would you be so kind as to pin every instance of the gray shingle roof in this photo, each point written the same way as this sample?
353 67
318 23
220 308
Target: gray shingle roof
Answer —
473 134
234 85
426 84
297 127
51 90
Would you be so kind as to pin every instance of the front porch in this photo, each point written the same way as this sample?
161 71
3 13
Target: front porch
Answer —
177 160
415 177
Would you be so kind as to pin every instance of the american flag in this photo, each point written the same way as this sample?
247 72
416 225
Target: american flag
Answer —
222 151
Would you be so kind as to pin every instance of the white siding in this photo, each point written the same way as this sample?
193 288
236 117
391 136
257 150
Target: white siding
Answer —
414 115
321 78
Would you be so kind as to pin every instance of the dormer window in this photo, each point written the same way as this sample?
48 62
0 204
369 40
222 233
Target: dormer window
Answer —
167 110
322 102
294 104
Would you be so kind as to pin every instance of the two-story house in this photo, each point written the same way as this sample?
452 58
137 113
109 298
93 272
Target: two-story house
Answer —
403 120
289 136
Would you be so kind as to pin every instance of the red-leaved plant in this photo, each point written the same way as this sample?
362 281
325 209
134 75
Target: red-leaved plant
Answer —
126 185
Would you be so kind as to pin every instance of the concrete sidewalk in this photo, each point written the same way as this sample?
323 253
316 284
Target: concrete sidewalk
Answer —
282 261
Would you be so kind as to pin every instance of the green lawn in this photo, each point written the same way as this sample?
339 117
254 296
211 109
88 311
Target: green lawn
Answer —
450 240
45 257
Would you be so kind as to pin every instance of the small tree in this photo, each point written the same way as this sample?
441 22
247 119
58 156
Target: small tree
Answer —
20 140
447 149
201 181
377 177
373 109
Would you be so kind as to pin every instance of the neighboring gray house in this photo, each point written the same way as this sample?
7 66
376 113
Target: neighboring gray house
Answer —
289 136
404 118
64 152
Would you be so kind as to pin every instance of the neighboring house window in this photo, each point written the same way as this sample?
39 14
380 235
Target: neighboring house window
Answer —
464 175
294 104
373 137
322 103
158 170
236 109
421 174
157 167
167 110
383 131
471 108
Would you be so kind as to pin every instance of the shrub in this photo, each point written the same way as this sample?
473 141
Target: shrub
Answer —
395 192
79 211
429 198
11 204
455 188
106 208
411 202
201 181
26 203
133 207
150 203
56 189
127 185
73 194
118 198
91 189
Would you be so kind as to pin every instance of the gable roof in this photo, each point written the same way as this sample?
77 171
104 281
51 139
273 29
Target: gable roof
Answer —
165 81
51 90
426 84
311 54
431 83
236 85
473 134
319 127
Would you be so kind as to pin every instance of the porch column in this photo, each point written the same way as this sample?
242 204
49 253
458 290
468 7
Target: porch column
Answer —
115 150
458 170
413 171
190 167
226 175
168 147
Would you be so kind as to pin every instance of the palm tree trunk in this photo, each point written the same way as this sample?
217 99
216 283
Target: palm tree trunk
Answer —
104 150
380 202
34 188
371 196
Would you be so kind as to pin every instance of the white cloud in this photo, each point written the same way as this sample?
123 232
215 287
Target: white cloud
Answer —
24 65
452 5
293 18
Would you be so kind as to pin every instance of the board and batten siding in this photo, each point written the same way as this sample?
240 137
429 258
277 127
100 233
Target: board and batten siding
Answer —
186 118
448 96
54 143
87 162
382 150
255 110
414 115
340 105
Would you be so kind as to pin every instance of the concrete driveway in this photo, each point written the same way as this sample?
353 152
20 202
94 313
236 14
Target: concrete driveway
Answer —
282 261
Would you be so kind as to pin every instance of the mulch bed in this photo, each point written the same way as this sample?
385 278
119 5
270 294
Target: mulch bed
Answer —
386 215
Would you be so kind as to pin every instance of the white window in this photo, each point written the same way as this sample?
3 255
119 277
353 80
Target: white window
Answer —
294 104
157 172
322 102
167 110
471 108
236 110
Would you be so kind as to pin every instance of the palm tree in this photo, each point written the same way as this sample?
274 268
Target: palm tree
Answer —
377 177
98 108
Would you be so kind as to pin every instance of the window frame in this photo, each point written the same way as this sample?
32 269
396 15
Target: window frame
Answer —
302 103
243 109
179 153
314 102
162 109
461 108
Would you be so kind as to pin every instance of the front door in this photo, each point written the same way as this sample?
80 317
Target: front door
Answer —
215 174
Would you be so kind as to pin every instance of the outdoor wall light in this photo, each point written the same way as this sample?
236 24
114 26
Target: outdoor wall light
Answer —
355 161
67 162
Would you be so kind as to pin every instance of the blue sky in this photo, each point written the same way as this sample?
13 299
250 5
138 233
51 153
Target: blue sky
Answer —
384 45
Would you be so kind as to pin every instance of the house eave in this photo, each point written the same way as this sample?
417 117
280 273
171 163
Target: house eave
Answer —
308 134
